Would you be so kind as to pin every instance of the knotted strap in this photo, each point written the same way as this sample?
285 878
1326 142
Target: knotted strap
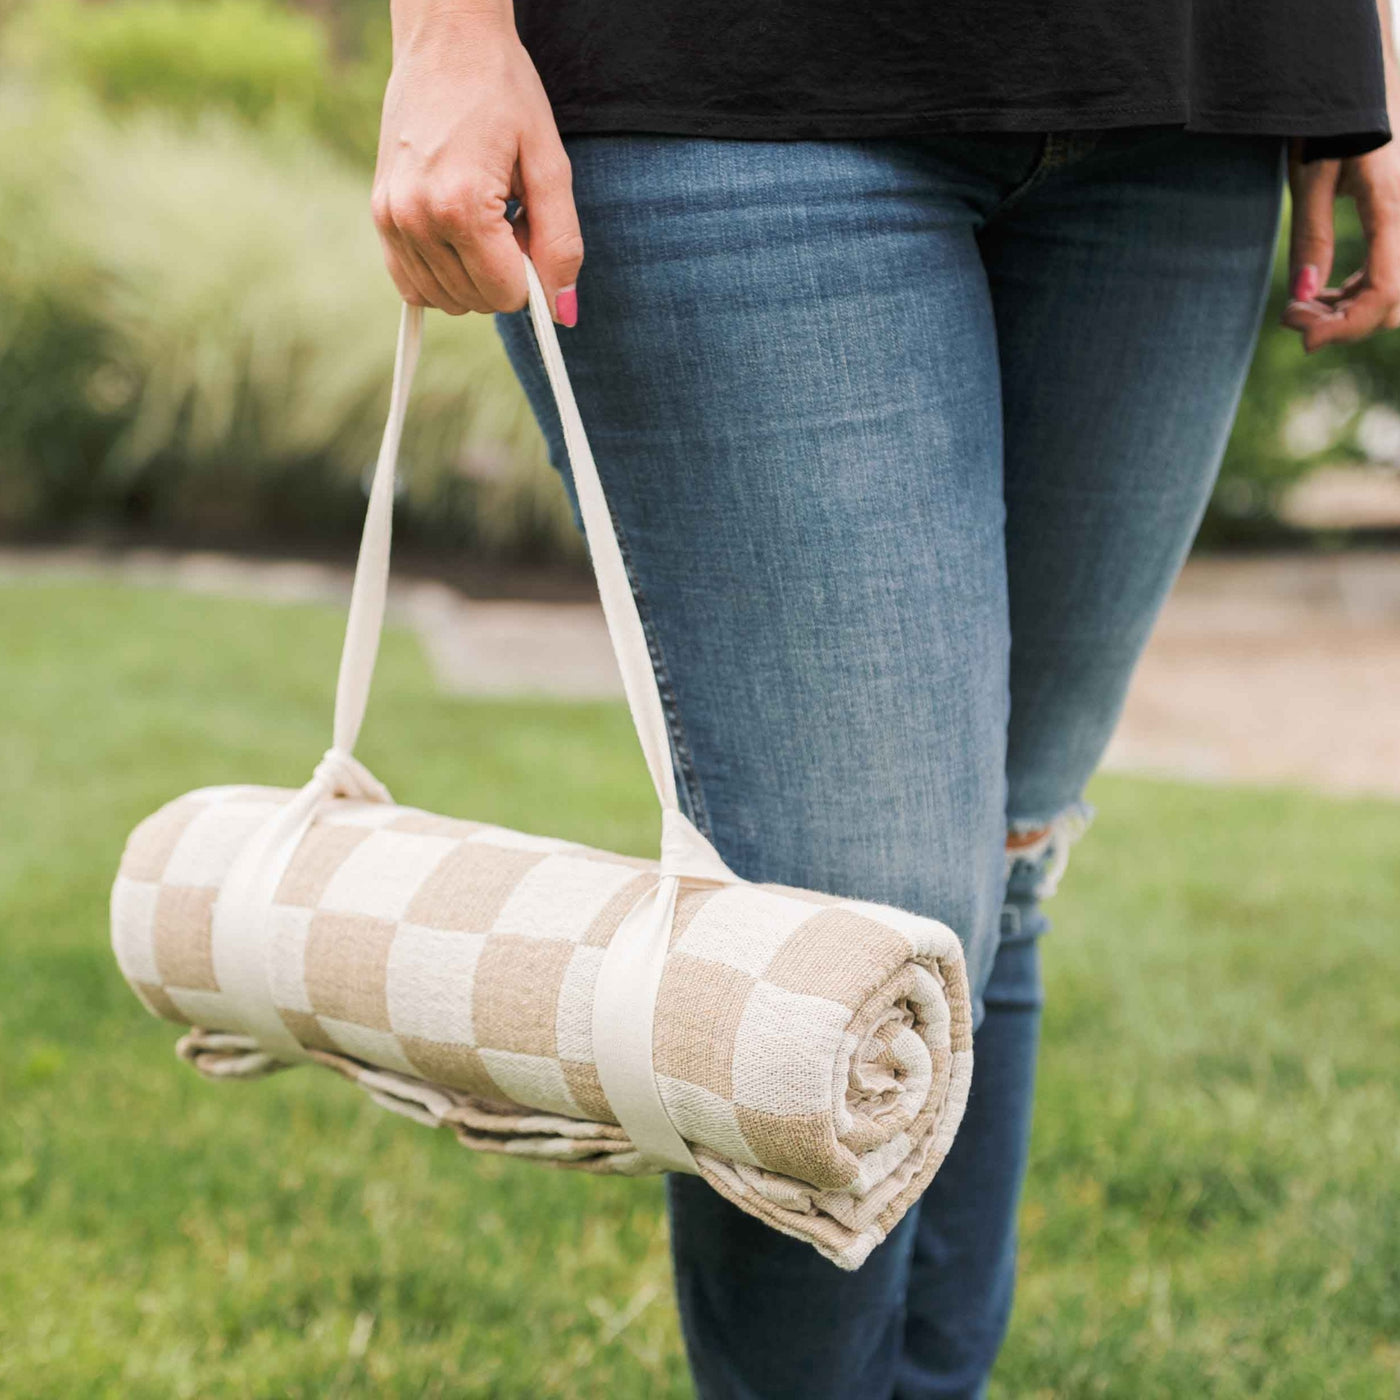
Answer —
630 972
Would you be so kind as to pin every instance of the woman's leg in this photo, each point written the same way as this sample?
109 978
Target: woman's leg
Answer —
787 366
1127 280
958 1299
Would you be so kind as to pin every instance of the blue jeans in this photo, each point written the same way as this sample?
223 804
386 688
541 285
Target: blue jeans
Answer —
905 441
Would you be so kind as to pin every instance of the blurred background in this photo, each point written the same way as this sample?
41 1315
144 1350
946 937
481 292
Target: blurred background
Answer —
195 337
193 311
193 318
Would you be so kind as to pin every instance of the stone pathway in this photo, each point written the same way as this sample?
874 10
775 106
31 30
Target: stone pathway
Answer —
1269 670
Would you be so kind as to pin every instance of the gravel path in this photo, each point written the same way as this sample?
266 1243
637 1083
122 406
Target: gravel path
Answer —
1268 670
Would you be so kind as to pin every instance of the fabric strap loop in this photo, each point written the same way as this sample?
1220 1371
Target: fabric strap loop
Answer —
630 971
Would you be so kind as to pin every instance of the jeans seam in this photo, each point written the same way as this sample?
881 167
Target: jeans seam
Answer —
683 759
1028 181
1058 149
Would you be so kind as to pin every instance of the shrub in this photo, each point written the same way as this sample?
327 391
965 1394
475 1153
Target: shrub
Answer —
248 55
255 59
197 331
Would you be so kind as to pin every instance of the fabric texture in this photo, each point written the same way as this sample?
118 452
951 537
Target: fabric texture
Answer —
905 441
821 69
814 1051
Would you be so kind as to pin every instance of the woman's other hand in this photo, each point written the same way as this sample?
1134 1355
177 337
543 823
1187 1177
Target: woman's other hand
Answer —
466 127
1369 300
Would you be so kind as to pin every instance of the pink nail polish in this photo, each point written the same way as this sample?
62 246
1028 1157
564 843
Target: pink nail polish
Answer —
566 306
1307 284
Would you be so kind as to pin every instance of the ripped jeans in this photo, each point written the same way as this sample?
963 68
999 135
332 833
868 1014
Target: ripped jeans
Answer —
905 441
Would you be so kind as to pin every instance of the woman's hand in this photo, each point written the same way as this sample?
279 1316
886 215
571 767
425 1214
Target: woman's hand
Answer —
467 126
1369 299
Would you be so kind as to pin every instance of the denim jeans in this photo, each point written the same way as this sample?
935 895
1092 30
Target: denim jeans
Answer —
905 441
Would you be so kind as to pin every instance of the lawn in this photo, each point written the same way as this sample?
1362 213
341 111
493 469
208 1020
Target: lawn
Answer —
1215 1198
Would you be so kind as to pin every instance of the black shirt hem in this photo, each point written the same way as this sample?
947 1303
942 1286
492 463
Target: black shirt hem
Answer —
1353 131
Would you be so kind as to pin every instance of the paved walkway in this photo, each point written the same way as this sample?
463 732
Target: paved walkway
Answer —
1271 670
1281 670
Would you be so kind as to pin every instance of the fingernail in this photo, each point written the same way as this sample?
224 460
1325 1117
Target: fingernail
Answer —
1307 284
566 306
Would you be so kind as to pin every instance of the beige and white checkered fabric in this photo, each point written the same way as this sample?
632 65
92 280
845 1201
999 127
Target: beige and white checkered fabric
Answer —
816 1052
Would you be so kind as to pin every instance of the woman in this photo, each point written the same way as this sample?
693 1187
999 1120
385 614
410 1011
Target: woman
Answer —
908 344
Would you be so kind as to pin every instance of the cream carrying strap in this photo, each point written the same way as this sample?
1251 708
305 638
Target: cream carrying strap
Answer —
630 972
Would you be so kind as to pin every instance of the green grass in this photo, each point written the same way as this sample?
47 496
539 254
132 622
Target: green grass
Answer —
1213 1208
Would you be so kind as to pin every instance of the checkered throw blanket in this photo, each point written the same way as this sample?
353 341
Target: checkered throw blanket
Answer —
815 1052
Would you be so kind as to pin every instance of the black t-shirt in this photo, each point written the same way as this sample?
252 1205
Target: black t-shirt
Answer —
793 69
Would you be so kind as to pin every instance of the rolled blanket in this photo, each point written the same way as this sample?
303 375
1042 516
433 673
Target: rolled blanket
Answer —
815 1052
